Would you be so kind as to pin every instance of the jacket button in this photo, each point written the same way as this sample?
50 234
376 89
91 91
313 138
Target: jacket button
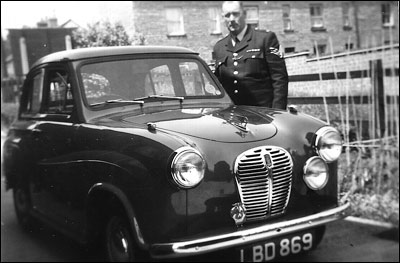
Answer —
235 91
235 63
235 72
235 54
235 81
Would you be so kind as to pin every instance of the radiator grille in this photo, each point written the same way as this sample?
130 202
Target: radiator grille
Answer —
264 179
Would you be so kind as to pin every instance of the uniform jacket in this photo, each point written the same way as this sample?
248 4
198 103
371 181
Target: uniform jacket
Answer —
253 72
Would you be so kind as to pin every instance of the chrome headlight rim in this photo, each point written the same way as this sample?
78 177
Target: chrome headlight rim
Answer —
306 167
320 135
178 154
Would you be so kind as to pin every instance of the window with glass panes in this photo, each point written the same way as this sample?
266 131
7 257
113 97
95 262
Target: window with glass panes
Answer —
175 21
316 15
214 14
387 15
252 18
346 15
287 22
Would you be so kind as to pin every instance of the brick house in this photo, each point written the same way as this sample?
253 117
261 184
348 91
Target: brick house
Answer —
30 44
300 25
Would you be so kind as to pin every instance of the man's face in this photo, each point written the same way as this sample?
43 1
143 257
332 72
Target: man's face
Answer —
235 18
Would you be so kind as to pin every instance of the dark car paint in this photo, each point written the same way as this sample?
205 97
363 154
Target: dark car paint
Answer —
113 149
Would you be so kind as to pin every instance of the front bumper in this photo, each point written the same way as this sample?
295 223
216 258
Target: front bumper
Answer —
247 236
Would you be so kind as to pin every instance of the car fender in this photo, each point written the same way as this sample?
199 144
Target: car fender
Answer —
122 198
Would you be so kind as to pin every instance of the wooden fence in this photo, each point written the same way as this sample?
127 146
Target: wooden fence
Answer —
377 97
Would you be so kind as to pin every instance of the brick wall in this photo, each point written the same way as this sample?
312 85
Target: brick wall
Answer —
150 21
39 42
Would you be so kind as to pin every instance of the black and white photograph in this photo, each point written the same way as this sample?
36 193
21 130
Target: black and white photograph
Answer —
200 131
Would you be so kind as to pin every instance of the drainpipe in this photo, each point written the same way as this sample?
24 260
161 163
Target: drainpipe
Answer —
356 25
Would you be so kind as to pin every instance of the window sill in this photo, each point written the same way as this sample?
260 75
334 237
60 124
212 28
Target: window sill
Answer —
347 28
183 35
288 31
318 29
388 26
216 33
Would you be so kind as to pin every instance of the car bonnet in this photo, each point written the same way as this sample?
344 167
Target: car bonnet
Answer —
232 125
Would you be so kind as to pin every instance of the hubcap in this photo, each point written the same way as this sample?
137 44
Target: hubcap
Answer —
118 241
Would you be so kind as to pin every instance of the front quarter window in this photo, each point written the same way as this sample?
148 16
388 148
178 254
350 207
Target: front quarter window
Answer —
33 94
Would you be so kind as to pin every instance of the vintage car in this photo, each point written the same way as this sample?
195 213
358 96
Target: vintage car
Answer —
140 149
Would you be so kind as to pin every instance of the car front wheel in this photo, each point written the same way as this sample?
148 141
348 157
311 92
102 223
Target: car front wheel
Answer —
119 240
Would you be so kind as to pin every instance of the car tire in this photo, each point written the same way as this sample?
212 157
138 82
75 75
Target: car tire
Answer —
23 205
118 239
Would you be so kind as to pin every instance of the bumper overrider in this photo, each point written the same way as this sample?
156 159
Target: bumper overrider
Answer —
246 236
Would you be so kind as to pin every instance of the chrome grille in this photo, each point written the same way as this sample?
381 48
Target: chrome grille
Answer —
264 180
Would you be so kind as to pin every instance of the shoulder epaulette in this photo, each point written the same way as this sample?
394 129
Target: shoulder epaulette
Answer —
222 38
263 31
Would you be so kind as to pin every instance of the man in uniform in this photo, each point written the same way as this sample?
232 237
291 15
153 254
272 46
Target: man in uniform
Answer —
249 64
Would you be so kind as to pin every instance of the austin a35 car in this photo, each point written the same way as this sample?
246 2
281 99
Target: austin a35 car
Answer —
141 151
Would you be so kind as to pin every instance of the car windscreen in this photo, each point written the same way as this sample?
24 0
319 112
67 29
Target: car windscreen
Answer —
137 79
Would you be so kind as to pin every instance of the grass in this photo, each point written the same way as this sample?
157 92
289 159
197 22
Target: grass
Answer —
369 165
369 179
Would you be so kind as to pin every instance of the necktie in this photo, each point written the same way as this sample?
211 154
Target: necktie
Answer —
237 40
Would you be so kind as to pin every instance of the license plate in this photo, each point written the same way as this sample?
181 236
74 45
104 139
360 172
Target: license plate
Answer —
277 248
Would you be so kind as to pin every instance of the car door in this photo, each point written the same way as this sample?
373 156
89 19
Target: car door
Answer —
53 135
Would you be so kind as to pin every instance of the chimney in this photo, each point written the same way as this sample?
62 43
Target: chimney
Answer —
53 22
42 24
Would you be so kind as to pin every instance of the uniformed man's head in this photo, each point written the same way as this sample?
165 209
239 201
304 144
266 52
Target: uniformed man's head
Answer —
234 15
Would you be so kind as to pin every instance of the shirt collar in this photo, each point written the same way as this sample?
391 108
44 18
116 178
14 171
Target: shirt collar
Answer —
240 35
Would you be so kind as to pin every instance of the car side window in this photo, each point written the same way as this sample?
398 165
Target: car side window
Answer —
195 82
162 81
34 89
192 81
59 97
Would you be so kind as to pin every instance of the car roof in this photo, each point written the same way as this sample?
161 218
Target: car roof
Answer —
91 52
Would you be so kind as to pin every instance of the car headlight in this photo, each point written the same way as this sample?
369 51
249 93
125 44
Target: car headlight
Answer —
188 167
328 144
316 173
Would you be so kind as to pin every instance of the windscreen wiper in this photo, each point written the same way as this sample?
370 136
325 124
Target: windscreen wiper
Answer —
122 101
161 97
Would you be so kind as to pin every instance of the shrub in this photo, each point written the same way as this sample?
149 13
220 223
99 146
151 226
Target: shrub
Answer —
9 112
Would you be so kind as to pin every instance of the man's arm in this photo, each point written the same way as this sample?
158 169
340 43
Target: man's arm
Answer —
278 72
214 58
